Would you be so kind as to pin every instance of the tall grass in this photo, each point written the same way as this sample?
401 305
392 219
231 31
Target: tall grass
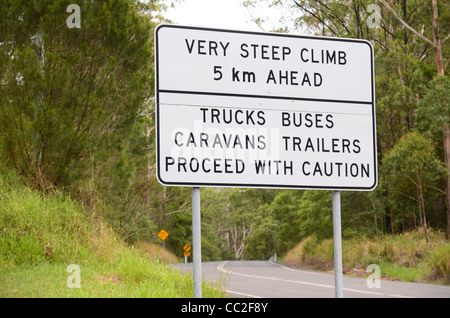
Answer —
156 252
440 263
40 235
406 256
37 228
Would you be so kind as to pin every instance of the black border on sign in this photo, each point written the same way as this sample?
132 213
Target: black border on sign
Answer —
250 185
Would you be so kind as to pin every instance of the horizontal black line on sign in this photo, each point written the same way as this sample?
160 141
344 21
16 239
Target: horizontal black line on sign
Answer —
259 108
265 96
270 186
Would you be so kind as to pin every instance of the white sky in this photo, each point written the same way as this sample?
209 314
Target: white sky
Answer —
223 14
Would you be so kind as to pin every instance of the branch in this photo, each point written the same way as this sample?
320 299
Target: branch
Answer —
255 20
315 16
181 209
335 16
404 194
399 18
437 189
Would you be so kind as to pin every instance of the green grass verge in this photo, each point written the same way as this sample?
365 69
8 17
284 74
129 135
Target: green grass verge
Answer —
130 277
41 235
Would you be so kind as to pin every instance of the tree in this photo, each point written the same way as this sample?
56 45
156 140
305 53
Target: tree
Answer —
413 162
409 50
284 211
434 113
244 206
70 95
315 214
265 239
72 100
436 44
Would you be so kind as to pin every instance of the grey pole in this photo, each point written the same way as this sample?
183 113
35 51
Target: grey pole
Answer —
196 243
338 288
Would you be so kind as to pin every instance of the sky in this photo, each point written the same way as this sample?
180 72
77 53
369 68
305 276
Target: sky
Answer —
222 14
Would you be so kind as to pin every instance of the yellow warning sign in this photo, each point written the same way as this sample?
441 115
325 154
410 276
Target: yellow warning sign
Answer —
163 235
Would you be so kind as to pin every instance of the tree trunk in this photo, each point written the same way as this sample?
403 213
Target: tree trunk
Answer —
447 163
149 172
391 211
422 203
437 40
440 71
163 209
419 201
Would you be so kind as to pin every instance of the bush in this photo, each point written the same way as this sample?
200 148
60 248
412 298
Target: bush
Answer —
156 252
440 263
407 256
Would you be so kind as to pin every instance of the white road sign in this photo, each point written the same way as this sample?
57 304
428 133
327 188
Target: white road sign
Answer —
247 109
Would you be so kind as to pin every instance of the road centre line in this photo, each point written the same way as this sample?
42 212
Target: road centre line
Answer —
221 268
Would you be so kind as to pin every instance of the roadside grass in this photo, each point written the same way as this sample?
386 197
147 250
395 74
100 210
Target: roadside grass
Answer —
128 277
156 252
407 257
41 235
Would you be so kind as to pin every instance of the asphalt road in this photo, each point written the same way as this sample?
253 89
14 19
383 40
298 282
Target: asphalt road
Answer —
265 279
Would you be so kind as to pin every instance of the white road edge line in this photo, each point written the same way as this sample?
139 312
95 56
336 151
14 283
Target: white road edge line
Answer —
220 268
348 289
243 294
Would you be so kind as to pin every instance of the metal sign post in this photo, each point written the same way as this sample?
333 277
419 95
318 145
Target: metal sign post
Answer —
163 235
196 242
186 249
337 241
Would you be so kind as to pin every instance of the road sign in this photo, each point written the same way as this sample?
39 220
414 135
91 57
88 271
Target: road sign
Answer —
187 254
187 248
163 235
270 110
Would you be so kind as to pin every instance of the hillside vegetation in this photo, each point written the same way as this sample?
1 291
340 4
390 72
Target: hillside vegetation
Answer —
406 257
41 235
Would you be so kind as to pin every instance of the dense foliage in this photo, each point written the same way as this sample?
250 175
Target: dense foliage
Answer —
75 102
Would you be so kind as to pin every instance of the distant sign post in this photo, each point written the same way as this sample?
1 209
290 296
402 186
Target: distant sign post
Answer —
186 249
264 110
163 235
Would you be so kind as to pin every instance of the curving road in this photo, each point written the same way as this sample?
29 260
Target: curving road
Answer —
266 279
